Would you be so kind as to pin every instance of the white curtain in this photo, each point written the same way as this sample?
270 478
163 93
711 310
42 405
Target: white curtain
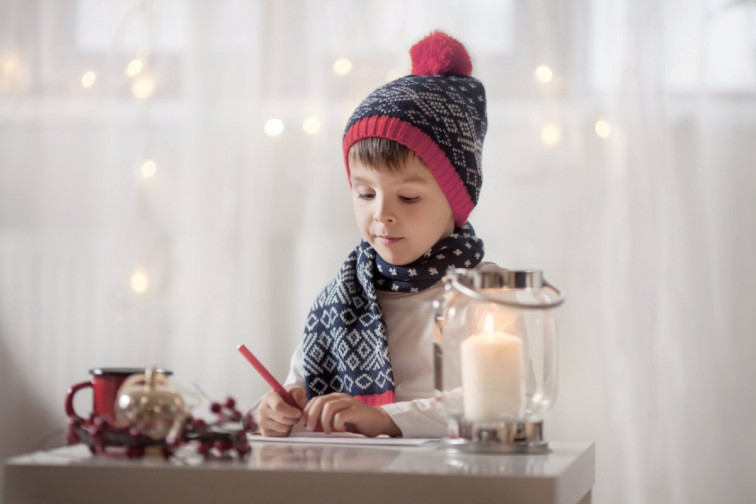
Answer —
146 217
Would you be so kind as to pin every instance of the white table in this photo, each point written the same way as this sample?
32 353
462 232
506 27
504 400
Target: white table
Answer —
305 473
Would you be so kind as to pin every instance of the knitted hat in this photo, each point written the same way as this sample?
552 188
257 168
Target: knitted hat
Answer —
438 112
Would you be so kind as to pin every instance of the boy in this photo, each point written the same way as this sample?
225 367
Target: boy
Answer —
412 150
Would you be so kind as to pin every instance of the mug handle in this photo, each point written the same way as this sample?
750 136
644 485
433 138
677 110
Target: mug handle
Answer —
69 399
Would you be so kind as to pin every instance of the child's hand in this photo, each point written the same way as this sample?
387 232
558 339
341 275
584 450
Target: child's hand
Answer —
343 413
275 417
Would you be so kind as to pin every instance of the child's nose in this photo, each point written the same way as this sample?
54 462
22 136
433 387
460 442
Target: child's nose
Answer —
384 211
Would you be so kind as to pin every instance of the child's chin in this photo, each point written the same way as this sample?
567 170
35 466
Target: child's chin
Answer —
396 259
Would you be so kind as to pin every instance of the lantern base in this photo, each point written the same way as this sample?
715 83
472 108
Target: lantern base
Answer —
503 437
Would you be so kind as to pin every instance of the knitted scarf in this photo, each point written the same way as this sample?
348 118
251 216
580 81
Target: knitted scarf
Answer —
345 344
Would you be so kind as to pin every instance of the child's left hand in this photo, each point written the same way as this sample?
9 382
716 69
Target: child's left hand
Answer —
339 412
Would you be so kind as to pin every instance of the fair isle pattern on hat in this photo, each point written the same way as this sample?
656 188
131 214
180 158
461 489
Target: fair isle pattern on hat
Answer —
441 117
345 343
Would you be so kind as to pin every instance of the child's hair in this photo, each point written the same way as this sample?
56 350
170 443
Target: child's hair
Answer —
378 153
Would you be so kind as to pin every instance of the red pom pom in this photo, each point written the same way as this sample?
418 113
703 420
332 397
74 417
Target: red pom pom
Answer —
440 54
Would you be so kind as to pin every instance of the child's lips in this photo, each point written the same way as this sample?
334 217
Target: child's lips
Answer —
388 240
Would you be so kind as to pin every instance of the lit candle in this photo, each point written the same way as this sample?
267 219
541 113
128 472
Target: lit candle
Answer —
492 378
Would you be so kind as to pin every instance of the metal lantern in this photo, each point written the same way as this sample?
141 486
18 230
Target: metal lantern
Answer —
496 358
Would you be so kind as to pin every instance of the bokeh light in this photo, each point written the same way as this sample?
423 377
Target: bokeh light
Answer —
274 127
149 169
342 66
134 67
140 282
602 128
143 87
311 125
544 74
550 134
88 79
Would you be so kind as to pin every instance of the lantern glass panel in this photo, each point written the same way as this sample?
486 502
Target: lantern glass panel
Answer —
499 361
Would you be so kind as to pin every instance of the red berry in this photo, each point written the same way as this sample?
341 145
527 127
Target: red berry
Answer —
204 449
215 407
243 451
223 445
230 403
96 432
135 451
248 422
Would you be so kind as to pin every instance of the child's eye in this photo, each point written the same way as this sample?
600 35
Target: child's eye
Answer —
366 196
408 199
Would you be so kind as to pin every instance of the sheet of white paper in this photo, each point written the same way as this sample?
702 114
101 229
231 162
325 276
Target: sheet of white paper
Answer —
343 438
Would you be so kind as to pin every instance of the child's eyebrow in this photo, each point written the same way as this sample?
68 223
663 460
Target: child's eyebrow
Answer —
413 179
359 179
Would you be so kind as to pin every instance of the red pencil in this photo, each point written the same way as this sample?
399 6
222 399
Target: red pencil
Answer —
275 384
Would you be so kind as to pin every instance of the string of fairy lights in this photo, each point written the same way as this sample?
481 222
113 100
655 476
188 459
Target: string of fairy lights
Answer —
551 133
143 86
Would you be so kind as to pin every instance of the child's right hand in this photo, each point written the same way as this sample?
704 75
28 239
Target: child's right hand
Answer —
275 417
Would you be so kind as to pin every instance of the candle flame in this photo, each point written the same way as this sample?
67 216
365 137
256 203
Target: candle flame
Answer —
488 326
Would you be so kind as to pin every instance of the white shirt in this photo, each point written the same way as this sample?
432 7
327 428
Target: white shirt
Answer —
410 326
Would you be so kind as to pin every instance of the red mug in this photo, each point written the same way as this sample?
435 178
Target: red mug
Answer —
105 383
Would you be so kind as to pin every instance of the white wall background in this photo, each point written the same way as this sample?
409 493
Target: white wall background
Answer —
651 231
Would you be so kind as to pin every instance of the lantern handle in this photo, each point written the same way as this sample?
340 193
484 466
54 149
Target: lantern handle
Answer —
452 277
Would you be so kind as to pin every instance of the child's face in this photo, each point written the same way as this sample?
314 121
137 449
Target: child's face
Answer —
402 213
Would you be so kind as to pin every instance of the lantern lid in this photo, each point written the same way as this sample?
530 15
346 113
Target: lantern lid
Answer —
513 279
475 282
